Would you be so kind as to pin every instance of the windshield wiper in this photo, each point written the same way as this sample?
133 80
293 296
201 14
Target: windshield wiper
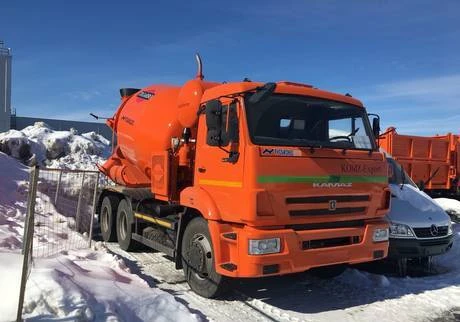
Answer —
403 177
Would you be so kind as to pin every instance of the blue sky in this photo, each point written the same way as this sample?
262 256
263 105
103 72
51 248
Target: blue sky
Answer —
401 58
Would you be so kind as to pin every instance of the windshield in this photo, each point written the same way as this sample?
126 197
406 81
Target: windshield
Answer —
291 120
396 176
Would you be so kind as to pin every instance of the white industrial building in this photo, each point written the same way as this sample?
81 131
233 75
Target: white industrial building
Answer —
5 87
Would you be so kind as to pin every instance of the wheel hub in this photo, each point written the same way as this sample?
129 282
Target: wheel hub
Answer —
200 256
197 256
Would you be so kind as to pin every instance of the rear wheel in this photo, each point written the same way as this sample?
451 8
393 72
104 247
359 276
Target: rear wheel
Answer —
125 227
108 218
198 260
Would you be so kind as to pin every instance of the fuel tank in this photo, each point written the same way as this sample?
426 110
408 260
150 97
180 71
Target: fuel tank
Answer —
146 121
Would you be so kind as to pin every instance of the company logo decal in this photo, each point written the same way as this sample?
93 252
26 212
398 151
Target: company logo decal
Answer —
361 169
145 95
278 152
434 230
332 205
332 185
127 120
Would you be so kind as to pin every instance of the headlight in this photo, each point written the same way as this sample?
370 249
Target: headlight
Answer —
264 246
450 231
380 235
400 230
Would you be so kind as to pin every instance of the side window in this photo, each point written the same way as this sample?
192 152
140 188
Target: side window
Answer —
229 118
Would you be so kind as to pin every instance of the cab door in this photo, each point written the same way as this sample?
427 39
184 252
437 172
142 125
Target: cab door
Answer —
220 156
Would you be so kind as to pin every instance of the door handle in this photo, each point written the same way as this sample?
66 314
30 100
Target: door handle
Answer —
201 170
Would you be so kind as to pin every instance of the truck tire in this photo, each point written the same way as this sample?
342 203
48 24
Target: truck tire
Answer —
198 260
125 227
107 219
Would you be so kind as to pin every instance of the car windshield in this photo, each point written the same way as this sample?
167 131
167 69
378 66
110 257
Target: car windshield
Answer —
291 120
396 176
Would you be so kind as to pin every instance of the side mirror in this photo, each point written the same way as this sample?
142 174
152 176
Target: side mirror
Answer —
376 127
262 93
214 122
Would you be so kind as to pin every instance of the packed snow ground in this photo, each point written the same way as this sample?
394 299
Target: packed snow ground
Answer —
356 295
39 144
83 285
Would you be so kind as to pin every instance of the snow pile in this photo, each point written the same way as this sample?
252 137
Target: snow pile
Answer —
83 285
10 277
39 144
451 206
13 196
96 286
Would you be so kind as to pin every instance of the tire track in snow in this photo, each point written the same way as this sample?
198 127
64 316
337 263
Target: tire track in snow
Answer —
236 307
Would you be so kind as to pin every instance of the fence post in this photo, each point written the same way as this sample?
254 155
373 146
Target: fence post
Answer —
28 238
57 189
77 216
93 212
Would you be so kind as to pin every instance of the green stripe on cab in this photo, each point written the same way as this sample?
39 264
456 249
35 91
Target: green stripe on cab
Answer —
322 179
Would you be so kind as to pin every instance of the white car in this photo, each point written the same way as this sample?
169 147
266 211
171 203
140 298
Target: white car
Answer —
419 227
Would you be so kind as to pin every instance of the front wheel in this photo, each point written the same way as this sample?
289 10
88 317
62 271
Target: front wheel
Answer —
198 260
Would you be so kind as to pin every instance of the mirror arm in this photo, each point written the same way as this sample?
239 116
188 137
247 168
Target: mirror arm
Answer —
232 157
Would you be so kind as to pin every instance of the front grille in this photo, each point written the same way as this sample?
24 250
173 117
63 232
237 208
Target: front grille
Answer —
328 225
434 242
320 212
330 242
325 199
426 232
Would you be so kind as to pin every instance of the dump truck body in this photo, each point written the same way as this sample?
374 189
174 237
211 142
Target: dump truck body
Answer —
433 162
233 186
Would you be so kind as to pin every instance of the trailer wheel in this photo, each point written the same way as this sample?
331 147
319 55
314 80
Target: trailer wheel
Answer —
198 260
108 215
125 227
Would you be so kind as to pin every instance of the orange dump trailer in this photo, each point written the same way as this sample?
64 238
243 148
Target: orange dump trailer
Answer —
245 179
433 162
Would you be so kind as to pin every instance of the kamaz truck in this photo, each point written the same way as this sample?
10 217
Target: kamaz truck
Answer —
245 179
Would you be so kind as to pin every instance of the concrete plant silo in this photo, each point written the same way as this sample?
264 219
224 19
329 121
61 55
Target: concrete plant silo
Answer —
5 87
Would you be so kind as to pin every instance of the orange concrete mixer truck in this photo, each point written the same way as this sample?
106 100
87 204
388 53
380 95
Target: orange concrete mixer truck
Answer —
245 179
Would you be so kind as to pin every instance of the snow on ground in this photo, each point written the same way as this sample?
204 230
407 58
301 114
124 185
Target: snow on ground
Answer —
356 295
39 144
96 286
83 285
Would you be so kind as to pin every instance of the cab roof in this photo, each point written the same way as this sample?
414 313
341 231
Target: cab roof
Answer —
282 87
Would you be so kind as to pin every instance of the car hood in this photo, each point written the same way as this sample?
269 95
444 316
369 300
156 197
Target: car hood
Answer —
415 208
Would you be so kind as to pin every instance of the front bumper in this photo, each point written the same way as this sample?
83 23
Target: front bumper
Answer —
297 253
411 248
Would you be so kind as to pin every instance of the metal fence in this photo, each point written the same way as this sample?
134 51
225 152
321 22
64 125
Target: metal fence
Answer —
60 214
63 214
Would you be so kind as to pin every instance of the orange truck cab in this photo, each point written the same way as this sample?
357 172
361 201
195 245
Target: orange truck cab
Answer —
245 179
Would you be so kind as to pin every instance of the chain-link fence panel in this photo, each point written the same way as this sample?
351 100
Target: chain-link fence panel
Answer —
64 210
